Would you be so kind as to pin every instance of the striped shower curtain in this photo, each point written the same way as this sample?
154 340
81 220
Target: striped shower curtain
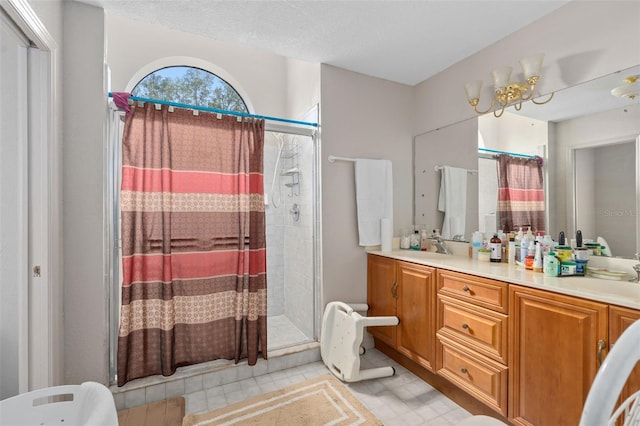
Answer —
520 193
193 241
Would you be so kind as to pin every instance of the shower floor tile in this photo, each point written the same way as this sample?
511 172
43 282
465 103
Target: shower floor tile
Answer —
281 333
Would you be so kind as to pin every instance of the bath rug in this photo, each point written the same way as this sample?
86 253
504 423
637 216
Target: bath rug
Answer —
168 412
320 401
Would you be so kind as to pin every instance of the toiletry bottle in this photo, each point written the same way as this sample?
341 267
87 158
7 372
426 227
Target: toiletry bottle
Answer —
495 245
530 236
537 258
424 240
561 239
524 249
578 238
415 240
511 250
528 260
518 241
551 265
476 243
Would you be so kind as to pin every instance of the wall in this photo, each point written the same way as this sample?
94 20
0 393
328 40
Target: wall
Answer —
85 292
362 117
579 43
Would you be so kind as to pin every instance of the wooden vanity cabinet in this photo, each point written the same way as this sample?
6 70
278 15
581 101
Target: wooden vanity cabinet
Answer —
556 342
381 291
406 290
619 319
471 338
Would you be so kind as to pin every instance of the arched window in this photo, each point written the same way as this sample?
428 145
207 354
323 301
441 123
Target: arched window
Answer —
192 86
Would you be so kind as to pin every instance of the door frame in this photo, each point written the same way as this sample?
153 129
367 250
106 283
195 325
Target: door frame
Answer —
41 337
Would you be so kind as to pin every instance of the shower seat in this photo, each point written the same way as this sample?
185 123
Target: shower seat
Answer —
341 339
90 403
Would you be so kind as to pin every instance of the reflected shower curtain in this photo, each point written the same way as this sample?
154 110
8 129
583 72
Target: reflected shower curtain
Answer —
193 241
520 193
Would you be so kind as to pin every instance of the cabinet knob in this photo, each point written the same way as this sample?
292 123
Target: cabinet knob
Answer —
465 288
463 370
465 326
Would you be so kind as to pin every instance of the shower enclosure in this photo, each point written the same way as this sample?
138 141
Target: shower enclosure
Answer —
290 208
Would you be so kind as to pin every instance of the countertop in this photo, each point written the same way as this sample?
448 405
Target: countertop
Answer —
621 293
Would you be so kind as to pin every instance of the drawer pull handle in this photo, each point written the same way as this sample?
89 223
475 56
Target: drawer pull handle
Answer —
601 346
394 289
463 370
465 326
465 288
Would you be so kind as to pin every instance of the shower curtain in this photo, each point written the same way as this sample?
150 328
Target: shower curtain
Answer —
193 241
520 193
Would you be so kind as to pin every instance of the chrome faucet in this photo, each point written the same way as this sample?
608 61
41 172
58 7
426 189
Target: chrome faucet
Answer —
636 268
440 246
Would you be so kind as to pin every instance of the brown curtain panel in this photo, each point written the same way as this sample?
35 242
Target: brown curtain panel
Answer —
520 193
193 241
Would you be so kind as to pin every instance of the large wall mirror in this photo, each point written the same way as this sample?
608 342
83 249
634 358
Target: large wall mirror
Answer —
590 142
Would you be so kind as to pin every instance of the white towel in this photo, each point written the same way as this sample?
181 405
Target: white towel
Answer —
453 200
374 198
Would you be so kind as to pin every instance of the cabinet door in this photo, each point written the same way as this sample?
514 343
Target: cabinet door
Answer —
381 289
619 320
416 310
553 355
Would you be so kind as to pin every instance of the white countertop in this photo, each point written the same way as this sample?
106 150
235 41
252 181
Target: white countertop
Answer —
621 293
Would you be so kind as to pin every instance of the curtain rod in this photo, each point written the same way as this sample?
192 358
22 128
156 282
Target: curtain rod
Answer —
514 154
217 110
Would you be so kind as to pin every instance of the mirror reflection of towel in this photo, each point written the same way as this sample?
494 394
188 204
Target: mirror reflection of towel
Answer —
453 200
374 198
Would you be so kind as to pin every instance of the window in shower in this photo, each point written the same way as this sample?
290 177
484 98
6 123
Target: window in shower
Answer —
191 86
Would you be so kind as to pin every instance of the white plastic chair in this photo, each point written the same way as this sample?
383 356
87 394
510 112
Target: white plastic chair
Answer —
73 405
341 341
610 380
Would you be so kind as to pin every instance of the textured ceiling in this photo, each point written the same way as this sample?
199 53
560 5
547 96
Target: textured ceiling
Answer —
402 41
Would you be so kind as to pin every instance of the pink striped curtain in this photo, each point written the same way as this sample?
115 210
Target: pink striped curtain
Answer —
193 241
520 193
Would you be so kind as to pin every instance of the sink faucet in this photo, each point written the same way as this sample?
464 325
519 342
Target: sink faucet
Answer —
440 246
636 268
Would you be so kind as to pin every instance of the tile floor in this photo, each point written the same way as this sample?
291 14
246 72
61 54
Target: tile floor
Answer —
403 399
283 333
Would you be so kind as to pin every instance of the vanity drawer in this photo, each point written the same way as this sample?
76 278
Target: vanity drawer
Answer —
477 328
477 375
483 292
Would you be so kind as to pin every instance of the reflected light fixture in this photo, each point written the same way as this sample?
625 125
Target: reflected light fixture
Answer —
630 89
506 92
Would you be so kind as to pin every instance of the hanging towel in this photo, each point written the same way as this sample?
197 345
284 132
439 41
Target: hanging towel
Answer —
453 200
374 198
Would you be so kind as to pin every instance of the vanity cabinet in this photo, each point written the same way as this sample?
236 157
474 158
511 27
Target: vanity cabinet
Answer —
405 290
471 338
519 353
556 344
619 319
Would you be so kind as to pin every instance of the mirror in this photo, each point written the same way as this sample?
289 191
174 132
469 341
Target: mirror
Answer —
581 123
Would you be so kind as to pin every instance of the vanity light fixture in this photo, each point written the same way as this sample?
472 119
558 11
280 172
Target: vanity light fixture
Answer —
506 92
630 89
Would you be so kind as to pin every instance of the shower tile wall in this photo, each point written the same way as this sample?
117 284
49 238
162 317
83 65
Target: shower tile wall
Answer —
290 243
274 233
298 243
